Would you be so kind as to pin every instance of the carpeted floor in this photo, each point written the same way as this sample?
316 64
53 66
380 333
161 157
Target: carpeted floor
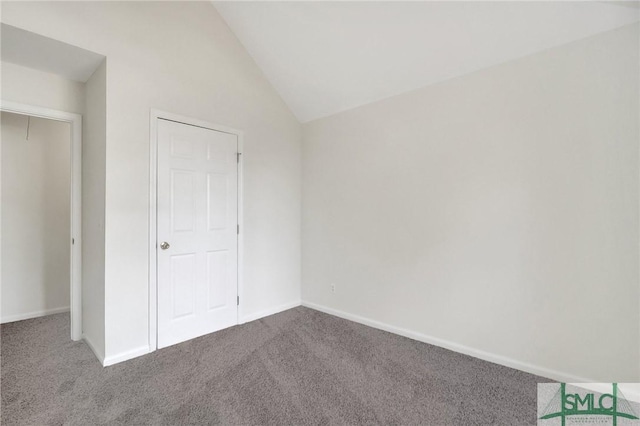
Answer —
295 368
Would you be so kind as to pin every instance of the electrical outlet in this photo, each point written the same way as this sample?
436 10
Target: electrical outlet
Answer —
333 288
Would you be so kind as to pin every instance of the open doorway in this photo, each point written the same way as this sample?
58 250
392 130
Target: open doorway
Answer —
40 214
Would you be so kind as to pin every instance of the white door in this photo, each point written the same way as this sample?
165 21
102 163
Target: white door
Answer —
197 241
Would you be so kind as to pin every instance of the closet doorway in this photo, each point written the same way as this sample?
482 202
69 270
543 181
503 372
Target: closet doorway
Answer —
40 253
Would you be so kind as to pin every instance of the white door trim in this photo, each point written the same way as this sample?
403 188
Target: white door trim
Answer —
75 120
154 116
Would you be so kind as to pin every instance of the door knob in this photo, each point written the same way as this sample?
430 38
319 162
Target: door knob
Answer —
165 245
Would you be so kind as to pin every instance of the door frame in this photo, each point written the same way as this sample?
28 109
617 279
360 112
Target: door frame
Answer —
154 116
75 120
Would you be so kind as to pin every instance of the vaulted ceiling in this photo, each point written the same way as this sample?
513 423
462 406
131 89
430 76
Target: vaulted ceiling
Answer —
327 57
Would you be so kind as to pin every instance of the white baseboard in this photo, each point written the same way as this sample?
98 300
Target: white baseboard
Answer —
143 350
270 311
456 347
125 356
34 314
98 354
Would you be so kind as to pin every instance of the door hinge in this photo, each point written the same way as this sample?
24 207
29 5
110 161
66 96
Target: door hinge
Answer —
73 241
238 154
238 300
238 230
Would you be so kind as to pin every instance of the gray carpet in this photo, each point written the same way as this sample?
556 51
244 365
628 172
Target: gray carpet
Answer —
298 367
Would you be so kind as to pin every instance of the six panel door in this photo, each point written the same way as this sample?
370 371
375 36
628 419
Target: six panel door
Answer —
197 254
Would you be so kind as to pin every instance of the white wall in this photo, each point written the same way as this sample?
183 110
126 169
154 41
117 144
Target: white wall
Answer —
32 87
180 57
35 217
497 212
93 208
28 86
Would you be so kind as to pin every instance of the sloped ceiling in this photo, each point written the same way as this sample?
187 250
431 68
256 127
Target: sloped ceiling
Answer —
327 57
